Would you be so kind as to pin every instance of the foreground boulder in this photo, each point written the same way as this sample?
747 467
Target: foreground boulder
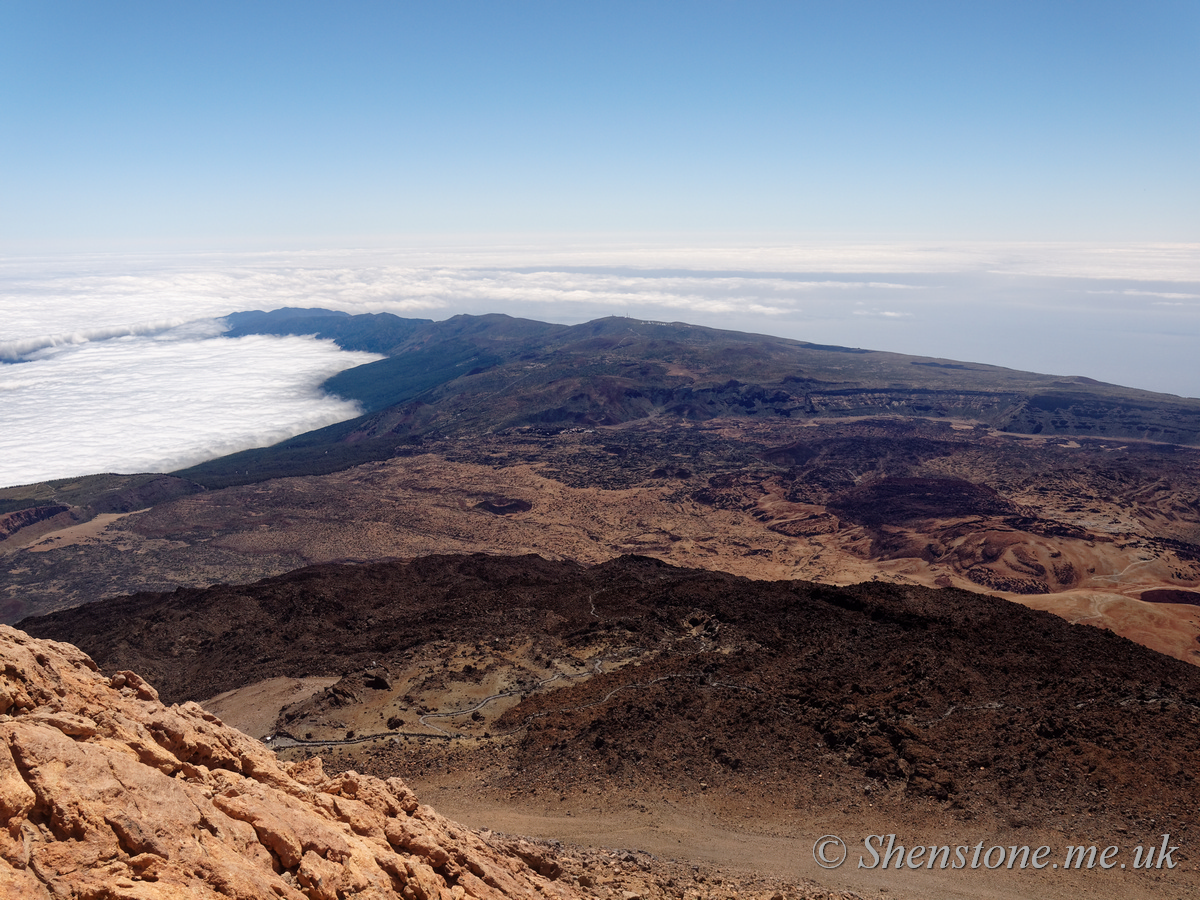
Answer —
107 794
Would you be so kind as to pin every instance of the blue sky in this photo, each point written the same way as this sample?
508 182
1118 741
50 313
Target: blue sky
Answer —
232 125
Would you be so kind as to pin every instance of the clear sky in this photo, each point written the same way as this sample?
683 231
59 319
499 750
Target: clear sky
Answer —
263 124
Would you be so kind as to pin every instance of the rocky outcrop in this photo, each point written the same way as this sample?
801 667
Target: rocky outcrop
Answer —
107 794
13 522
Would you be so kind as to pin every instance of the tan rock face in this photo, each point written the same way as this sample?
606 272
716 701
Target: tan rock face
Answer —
106 794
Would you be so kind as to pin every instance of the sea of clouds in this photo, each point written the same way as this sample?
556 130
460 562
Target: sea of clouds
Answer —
117 362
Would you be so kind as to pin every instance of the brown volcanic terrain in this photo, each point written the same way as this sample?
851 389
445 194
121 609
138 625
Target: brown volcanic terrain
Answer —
107 794
661 701
613 699
1081 527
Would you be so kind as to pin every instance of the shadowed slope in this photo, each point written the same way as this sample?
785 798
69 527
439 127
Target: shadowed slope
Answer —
986 708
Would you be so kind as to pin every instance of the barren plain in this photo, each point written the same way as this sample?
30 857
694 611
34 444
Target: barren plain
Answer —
1082 527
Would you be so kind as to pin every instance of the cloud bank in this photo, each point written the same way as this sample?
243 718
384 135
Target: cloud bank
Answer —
136 404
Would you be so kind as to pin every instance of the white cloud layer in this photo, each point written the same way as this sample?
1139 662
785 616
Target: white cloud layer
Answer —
137 404
123 370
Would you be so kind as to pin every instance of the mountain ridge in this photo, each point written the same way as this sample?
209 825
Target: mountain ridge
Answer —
495 372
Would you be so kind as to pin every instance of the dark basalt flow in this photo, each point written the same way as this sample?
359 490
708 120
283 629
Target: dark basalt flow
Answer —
898 500
1168 595
968 701
503 507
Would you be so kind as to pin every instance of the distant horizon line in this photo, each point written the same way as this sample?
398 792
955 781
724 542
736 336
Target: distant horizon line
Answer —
1173 261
